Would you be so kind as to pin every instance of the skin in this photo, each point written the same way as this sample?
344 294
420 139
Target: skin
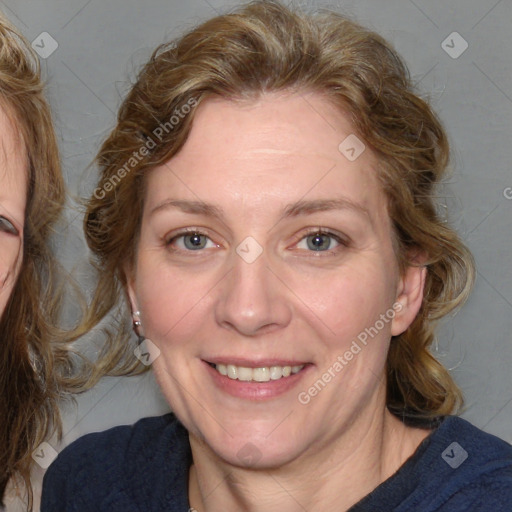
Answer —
13 193
291 303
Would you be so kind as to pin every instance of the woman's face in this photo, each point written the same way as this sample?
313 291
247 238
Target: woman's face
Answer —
266 249
13 193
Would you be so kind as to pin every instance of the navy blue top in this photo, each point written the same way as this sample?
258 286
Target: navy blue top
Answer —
144 467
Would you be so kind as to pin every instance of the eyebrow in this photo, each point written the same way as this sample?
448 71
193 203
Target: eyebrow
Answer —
194 207
301 207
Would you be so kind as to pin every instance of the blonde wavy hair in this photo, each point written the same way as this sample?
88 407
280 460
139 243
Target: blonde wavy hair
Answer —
265 47
36 368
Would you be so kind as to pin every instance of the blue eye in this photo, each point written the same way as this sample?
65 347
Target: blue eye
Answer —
195 241
320 241
7 226
191 241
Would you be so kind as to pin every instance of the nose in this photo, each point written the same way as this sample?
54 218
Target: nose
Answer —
252 299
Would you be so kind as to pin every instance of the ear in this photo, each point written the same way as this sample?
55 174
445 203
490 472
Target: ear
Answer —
130 288
132 297
409 295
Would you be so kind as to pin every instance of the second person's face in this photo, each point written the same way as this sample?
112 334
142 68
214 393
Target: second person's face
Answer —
13 192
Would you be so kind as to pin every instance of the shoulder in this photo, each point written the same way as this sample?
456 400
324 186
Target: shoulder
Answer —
482 451
125 437
112 447
467 468
110 466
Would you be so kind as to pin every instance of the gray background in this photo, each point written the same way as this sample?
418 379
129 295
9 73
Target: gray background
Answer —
101 43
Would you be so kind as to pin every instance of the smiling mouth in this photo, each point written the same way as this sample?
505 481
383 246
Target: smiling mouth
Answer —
263 374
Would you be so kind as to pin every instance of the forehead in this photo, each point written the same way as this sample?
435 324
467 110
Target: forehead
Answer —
280 147
13 167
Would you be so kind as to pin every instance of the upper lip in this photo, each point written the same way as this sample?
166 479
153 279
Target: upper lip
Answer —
252 363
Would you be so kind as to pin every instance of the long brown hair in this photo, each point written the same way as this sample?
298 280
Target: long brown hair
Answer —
34 360
265 47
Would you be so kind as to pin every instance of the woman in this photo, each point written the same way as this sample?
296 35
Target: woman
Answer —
34 361
266 203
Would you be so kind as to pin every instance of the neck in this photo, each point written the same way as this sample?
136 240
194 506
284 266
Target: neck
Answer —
334 477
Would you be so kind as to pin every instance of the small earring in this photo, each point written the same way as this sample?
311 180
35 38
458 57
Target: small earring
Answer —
136 319
136 324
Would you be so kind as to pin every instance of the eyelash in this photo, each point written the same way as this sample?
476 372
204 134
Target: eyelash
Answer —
7 226
342 241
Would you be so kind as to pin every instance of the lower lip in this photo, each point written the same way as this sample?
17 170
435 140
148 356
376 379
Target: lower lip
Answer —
256 390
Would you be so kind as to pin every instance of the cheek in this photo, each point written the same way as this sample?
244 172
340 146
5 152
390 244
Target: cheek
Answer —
352 311
10 265
348 300
171 302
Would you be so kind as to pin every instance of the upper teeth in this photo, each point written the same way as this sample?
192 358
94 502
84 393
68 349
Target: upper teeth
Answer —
257 374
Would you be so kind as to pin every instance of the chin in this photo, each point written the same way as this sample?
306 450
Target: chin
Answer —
252 450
